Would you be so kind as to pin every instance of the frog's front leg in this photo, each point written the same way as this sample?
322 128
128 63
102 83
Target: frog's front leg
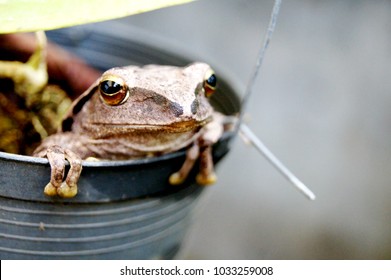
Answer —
192 154
56 157
206 175
202 150
211 135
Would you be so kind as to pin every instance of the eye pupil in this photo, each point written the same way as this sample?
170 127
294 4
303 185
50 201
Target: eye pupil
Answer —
110 87
212 80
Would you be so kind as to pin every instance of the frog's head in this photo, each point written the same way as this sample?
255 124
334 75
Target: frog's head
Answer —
149 96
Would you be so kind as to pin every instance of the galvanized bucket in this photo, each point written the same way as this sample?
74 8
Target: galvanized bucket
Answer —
124 209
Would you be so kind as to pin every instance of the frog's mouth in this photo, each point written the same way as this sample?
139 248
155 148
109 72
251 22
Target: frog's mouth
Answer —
176 127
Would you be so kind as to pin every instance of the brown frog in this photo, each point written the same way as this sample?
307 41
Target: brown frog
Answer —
133 112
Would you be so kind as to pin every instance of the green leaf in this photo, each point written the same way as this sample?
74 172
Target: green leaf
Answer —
33 15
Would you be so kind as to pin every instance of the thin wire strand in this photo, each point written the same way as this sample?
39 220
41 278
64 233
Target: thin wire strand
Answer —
261 55
246 131
254 140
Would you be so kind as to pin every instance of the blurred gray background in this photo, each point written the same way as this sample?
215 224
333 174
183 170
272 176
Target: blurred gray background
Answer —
321 104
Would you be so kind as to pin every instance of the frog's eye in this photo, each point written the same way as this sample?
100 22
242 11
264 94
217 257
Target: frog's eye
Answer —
113 90
210 83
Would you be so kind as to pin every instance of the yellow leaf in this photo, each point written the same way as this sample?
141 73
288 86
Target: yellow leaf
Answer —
33 15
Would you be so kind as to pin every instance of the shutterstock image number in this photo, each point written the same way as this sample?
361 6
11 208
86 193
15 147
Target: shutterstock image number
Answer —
243 270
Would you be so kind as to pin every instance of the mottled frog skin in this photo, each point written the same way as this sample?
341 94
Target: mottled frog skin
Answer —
134 112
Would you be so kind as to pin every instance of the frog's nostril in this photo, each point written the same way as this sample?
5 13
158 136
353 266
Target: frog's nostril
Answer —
194 106
176 108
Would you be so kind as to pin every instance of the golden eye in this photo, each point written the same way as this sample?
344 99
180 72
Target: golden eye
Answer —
113 90
210 83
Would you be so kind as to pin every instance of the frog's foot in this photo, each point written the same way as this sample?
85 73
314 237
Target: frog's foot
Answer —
206 180
64 190
56 156
67 191
206 176
176 179
179 177
50 190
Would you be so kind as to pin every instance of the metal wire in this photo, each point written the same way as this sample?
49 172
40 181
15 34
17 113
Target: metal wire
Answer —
246 132
258 64
254 140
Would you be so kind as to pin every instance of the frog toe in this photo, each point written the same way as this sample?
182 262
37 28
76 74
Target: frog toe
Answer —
50 190
205 180
176 179
67 191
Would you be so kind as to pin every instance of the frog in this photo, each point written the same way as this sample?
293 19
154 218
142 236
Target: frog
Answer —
134 112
